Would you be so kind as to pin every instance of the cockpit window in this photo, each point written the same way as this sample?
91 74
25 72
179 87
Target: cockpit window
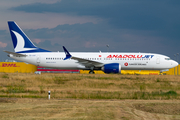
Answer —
167 58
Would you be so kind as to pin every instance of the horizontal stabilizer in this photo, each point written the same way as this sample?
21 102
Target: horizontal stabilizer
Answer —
15 54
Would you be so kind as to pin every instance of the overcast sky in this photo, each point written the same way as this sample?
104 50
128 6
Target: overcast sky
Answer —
151 26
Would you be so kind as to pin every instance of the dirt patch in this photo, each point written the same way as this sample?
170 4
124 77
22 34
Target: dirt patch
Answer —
162 108
8 100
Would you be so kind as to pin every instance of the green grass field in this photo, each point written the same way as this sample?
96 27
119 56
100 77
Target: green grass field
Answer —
84 86
84 96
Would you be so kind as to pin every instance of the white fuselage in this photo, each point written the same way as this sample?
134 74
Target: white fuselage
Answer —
128 61
26 51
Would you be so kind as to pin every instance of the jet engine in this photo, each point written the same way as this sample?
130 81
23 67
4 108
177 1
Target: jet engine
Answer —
112 68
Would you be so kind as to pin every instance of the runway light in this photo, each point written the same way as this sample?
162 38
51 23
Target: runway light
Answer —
49 92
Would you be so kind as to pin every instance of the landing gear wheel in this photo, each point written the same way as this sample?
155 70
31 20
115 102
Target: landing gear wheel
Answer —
91 72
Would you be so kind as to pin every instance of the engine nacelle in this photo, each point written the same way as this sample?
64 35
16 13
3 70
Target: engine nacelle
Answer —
112 68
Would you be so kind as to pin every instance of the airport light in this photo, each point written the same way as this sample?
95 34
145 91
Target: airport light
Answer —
107 47
49 94
178 62
174 67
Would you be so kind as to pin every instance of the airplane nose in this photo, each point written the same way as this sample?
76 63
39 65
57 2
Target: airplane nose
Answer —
174 63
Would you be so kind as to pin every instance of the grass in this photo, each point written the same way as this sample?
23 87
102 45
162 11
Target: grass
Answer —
84 86
60 109
40 109
83 96
173 108
5 76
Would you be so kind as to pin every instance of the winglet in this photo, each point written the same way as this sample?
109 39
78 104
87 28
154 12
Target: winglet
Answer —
68 55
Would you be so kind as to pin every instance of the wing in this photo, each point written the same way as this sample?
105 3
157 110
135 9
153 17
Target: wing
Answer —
84 62
87 63
15 54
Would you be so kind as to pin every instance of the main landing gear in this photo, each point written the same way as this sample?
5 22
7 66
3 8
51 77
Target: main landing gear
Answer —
91 72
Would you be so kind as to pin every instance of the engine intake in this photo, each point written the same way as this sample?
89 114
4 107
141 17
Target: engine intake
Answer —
112 68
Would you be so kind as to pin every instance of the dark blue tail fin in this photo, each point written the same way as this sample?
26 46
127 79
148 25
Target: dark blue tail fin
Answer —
22 44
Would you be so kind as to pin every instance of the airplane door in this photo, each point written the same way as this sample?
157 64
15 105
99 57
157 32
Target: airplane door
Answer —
38 60
157 60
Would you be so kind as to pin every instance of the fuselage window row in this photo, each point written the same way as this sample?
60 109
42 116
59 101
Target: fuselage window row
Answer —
70 59
97 59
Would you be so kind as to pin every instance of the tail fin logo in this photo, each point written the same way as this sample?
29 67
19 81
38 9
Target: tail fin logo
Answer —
20 43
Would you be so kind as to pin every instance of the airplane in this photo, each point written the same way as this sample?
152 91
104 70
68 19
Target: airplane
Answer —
111 62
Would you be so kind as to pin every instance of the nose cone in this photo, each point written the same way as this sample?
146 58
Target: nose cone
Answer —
174 63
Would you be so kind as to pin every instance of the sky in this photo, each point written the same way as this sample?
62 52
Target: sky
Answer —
151 26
